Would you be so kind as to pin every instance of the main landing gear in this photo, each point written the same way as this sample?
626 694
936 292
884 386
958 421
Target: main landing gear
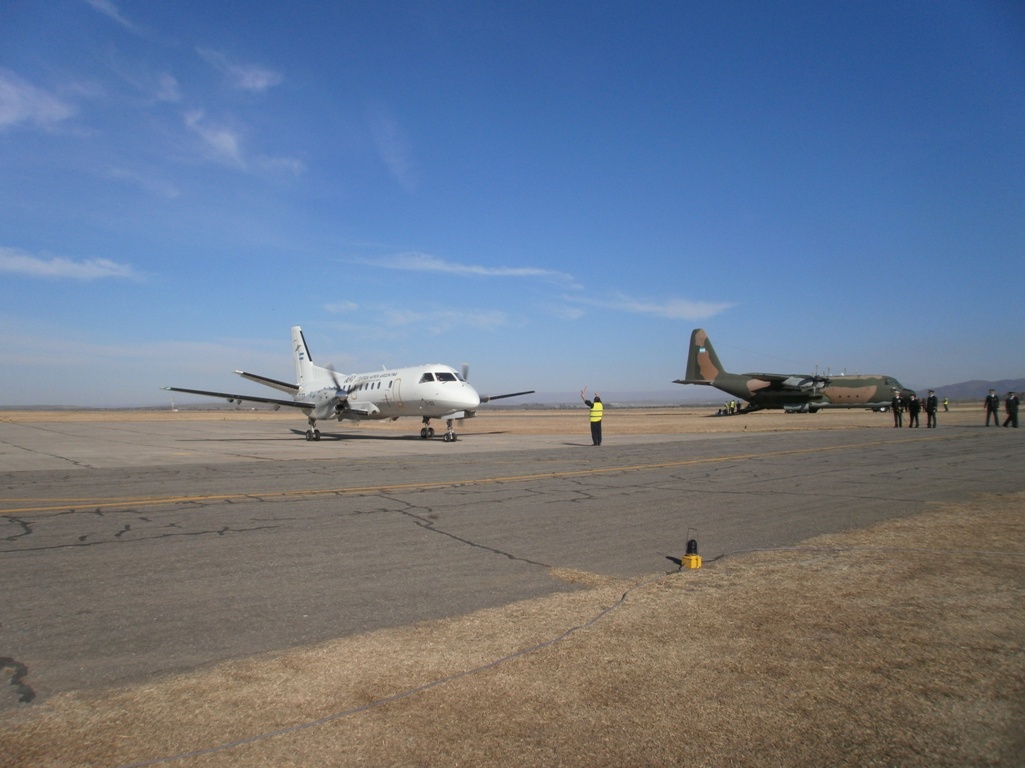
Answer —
313 433
427 431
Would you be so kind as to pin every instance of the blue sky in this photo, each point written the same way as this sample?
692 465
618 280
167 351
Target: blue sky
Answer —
555 193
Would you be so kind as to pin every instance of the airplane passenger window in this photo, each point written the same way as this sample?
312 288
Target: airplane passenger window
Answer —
426 377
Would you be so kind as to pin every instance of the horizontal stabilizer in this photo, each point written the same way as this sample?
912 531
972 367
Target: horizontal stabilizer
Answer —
284 386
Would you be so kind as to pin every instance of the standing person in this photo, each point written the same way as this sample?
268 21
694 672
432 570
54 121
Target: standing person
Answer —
946 405
914 408
596 413
897 406
932 404
1011 407
992 406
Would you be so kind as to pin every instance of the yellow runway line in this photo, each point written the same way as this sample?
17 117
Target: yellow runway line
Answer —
106 503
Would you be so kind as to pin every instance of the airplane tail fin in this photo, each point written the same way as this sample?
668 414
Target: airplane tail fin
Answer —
304 367
307 375
703 366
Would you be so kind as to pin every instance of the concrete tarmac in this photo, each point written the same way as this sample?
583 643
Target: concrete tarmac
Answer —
134 549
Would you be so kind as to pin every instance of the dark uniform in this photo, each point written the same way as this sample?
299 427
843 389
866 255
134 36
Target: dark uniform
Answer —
914 408
897 406
992 406
932 405
1011 407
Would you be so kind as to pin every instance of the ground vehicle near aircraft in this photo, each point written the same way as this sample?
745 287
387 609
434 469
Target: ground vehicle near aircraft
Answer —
793 392
432 391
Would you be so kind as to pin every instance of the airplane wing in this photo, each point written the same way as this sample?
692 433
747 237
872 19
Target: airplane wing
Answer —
799 383
240 398
489 398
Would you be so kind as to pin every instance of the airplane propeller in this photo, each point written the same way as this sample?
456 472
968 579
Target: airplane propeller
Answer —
339 391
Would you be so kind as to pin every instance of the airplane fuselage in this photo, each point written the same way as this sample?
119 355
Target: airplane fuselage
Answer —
433 391
860 391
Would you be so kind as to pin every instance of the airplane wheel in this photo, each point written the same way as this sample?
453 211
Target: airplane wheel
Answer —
423 433
309 435
430 431
316 434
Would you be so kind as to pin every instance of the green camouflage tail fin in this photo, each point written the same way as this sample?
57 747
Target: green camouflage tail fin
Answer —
703 366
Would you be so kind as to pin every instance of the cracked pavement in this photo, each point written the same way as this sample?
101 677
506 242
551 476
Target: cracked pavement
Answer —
113 574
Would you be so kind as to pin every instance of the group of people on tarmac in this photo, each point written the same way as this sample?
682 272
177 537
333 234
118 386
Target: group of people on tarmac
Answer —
729 408
992 406
900 405
913 406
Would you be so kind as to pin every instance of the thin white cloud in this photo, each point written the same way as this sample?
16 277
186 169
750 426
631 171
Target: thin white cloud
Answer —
22 102
167 89
671 309
19 262
109 10
247 77
423 262
436 320
225 146
289 166
150 184
393 148
222 142
341 307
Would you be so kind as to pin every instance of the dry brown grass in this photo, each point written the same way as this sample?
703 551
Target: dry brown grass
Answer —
901 644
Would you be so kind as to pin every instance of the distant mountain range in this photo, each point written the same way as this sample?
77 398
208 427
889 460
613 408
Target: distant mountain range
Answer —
976 389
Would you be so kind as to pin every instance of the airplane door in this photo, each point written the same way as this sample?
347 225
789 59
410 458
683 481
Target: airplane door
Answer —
396 391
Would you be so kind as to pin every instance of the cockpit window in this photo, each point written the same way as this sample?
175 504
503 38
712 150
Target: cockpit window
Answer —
426 378
446 376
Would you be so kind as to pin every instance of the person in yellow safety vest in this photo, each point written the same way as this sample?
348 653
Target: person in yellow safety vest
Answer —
596 413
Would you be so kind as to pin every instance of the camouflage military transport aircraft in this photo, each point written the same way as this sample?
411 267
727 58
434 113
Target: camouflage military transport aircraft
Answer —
794 393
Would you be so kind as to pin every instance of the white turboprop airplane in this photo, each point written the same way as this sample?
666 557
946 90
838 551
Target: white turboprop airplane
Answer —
426 391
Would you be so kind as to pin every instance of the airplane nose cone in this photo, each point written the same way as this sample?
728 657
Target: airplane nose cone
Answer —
472 398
